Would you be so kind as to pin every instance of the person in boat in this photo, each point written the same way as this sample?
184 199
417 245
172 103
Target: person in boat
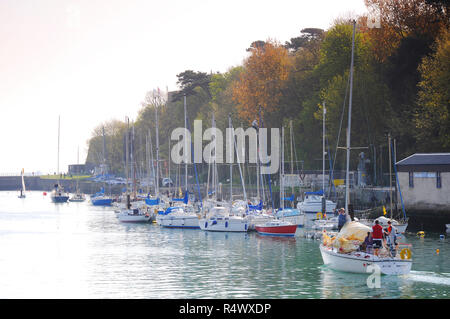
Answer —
367 244
342 219
377 235
391 237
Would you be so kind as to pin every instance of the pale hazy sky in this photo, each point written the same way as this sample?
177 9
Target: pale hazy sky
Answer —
93 61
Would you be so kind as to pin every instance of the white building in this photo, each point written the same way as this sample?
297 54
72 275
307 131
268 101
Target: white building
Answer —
425 181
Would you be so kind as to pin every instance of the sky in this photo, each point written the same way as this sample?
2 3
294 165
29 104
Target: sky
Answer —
89 62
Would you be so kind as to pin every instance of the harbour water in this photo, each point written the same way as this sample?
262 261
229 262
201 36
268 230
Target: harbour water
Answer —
76 250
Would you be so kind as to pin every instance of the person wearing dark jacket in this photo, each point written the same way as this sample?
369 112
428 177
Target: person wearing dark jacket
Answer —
342 219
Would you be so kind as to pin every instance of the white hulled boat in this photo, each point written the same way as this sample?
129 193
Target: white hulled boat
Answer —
219 219
255 213
129 213
358 262
312 204
326 224
134 215
182 216
401 227
77 197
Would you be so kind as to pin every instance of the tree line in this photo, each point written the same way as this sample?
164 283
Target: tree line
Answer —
401 86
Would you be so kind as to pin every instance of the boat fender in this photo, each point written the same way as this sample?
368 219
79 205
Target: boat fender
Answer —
226 224
407 252
245 227
214 222
206 224
319 215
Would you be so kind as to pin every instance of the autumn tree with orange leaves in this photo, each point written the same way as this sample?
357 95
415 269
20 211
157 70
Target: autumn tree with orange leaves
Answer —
261 83
400 19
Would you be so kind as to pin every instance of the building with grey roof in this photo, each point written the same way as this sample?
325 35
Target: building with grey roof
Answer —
424 181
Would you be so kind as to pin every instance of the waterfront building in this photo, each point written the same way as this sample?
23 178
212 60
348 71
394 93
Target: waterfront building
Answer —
424 181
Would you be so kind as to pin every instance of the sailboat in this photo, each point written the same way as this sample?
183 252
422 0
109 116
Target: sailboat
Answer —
99 198
23 189
350 259
181 214
58 194
290 214
278 227
256 213
77 197
315 205
219 216
129 213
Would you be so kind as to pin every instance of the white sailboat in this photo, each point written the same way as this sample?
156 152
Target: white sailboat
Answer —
59 195
352 260
315 203
78 196
23 189
129 213
289 214
220 216
220 219
180 215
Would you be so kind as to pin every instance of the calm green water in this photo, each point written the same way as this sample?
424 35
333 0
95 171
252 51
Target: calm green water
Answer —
75 250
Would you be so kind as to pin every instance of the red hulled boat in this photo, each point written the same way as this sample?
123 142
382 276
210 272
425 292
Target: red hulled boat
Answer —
277 228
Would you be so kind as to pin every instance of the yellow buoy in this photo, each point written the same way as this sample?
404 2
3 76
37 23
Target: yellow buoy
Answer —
437 251
421 233
319 215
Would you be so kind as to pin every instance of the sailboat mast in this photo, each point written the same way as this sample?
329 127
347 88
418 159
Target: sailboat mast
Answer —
239 166
148 163
323 147
282 170
390 173
185 147
291 134
214 172
157 151
57 169
231 158
126 151
347 174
